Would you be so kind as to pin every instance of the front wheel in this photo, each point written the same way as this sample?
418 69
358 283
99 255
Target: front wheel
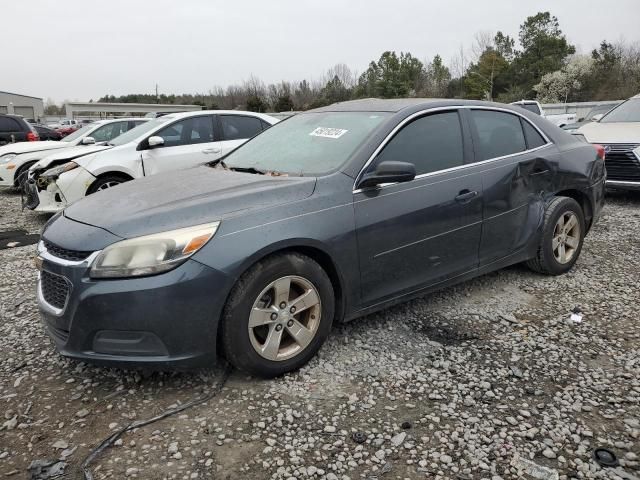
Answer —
103 183
562 237
278 315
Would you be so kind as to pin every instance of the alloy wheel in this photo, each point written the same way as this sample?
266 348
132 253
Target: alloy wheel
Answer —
285 318
566 237
108 184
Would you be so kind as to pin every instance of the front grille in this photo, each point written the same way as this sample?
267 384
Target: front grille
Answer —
622 164
55 289
71 255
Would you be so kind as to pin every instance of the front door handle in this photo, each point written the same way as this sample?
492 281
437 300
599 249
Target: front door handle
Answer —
466 195
211 150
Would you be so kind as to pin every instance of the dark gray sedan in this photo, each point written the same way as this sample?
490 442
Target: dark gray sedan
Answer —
325 217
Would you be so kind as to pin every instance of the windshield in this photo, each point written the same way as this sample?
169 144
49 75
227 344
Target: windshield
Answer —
628 111
77 134
307 144
139 131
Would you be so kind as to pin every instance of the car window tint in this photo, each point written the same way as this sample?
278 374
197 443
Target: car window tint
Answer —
430 143
8 124
188 131
236 127
499 134
534 139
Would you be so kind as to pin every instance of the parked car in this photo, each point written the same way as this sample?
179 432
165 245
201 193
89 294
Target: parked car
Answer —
46 133
64 131
595 114
327 216
560 119
14 128
169 142
619 132
16 159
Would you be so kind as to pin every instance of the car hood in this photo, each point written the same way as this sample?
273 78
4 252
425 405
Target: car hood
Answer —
70 153
185 198
615 132
29 147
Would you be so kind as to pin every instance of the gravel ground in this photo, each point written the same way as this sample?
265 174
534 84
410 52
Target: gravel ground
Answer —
487 380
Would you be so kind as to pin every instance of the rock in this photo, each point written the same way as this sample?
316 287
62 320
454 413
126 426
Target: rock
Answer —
329 429
60 444
398 439
82 413
548 453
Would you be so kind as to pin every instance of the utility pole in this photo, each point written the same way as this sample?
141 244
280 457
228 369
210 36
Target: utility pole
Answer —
157 96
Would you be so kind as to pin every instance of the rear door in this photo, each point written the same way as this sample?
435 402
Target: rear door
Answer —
10 131
187 143
516 170
420 233
237 129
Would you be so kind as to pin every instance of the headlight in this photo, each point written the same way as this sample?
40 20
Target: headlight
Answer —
151 254
55 172
7 158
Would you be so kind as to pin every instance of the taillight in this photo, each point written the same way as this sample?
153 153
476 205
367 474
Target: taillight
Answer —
599 151
32 137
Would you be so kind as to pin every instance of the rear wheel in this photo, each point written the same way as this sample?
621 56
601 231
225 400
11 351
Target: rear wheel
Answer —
105 182
278 315
562 237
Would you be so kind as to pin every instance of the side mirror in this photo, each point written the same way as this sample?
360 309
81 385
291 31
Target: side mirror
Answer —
155 142
389 172
597 117
88 141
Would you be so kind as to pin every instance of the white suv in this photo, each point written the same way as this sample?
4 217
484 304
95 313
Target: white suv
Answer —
170 142
618 131
17 158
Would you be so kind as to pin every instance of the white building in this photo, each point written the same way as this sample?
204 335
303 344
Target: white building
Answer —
16 104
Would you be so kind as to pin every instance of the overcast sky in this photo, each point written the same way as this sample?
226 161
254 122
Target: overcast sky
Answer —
81 50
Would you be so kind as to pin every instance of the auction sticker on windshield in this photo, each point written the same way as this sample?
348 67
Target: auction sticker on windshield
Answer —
328 132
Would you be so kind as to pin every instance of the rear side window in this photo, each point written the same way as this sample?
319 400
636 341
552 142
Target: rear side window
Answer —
533 137
237 127
499 134
431 143
109 131
8 124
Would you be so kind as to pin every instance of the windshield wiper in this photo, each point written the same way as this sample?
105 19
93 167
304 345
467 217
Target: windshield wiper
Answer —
253 170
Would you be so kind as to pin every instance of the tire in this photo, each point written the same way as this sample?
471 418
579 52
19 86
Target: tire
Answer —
20 178
107 181
548 259
241 343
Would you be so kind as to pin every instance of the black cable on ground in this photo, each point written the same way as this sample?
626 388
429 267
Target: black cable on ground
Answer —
107 442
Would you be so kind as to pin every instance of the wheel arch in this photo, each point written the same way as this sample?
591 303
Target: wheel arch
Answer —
583 200
24 166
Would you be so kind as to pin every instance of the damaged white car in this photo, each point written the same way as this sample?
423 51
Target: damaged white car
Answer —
17 158
170 142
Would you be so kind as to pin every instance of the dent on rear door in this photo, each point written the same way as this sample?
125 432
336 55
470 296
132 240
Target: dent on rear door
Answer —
514 195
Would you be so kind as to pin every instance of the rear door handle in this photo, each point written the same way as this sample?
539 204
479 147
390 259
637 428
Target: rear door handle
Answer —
211 150
466 195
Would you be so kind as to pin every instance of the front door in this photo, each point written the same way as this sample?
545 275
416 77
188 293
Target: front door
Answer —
420 233
187 143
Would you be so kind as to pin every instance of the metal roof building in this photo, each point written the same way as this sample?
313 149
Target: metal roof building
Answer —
25 105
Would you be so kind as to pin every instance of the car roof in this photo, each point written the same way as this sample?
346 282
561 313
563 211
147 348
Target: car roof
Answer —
178 115
398 104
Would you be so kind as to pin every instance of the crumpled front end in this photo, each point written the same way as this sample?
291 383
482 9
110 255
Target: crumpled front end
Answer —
54 193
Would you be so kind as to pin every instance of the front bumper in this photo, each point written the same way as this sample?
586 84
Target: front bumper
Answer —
56 195
622 185
166 320
7 175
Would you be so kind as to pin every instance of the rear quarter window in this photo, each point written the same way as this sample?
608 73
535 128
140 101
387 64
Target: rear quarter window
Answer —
498 134
8 124
533 137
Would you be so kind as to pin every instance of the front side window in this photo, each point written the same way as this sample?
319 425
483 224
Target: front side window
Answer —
188 132
109 131
628 111
499 134
238 127
431 143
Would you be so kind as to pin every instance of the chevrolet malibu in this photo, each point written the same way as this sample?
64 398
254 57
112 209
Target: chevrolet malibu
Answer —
325 217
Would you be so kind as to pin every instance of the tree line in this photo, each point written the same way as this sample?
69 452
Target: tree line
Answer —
542 64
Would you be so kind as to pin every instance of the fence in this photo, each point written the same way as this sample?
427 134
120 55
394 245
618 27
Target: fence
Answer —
579 108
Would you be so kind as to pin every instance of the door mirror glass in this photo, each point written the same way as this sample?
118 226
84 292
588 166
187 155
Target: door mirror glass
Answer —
155 142
597 117
389 172
88 141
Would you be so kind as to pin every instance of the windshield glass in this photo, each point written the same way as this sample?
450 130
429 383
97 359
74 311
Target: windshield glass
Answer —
628 111
139 131
307 144
77 134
